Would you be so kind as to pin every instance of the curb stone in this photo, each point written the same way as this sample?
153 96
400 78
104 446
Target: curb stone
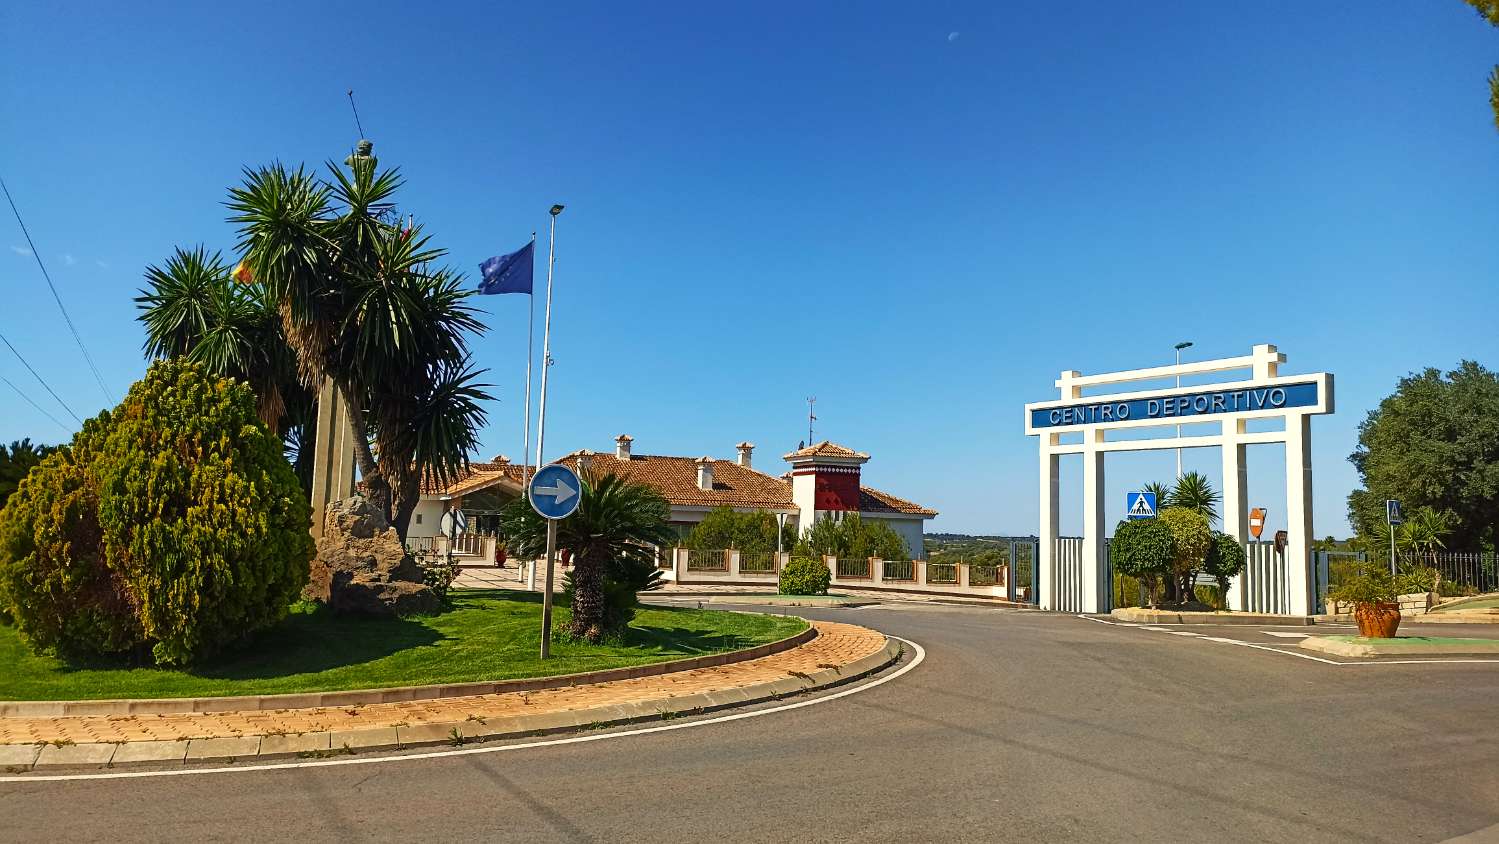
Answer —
435 734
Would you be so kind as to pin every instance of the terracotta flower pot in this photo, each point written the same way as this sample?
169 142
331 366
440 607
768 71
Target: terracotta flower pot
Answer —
1377 621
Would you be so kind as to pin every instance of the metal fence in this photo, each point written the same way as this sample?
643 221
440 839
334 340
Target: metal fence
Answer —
899 570
854 569
980 574
941 572
707 560
757 562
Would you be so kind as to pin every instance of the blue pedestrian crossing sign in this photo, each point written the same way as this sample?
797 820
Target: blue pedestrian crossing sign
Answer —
1392 512
555 491
1139 505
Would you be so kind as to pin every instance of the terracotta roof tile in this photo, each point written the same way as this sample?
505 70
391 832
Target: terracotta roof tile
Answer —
827 449
874 501
676 479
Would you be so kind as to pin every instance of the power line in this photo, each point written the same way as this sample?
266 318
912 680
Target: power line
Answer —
69 320
33 404
38 378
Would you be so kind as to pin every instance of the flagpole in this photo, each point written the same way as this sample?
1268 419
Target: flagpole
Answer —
530 354
546 345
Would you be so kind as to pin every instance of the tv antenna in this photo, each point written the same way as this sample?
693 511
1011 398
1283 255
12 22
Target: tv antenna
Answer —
811 417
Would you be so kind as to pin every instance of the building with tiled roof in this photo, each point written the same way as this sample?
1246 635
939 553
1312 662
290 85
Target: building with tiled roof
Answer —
823 482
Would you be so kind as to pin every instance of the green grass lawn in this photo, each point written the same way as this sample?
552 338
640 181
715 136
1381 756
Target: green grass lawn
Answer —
488 635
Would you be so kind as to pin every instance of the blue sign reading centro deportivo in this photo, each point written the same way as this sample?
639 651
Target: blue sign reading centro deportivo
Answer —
1176 406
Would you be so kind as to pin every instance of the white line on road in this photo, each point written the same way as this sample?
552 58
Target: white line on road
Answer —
1276 650
1284 635
474 751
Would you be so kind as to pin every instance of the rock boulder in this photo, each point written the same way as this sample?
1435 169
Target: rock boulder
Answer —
362 567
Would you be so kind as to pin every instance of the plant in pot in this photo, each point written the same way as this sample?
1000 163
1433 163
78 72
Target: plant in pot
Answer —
1372 592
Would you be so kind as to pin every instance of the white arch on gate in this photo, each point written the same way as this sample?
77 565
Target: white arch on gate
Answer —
1075 578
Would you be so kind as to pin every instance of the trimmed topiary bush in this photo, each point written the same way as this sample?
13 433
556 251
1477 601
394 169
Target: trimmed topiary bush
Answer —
1193 539
173 522
805 576
1143 548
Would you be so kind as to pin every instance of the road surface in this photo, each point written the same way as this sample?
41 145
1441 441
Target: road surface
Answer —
1016 725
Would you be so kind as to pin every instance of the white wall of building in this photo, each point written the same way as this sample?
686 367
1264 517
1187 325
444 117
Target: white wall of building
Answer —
912 529
426 519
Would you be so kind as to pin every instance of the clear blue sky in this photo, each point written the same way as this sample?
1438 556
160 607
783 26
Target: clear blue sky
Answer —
919 213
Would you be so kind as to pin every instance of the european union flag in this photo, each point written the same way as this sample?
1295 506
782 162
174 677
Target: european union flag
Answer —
508 273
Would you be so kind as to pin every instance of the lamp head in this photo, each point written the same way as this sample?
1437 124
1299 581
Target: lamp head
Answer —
1180 346
556 209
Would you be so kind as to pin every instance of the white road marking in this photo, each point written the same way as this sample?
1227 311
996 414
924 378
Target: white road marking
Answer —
1183 633
1284 635
474 751
1280 650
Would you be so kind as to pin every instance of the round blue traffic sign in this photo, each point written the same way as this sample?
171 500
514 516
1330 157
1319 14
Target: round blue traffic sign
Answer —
555 491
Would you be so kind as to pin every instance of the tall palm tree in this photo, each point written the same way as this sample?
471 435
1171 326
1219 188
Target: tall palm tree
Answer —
1194 492
361 305
617 520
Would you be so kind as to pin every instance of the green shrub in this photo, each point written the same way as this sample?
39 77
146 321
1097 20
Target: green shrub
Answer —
54 584
852 538
1370 584
624 579
186 527
1413 579
1143 548
1193 540
1225 559
805 576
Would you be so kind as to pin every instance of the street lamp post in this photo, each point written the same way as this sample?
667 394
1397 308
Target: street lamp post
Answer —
1179 346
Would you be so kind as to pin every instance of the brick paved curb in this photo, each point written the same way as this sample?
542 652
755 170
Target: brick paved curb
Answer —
359 697
19 758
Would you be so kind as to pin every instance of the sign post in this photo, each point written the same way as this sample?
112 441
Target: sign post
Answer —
554 492
1257 522
1392 518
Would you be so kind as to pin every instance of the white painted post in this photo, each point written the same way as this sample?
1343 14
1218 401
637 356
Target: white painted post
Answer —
733 564
1235 502
679 564
1298 513
530 575
832 563
876 571
1046 559
1095 583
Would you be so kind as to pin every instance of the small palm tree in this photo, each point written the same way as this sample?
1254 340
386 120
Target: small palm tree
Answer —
1162 493
1425 534
1194 492
617 522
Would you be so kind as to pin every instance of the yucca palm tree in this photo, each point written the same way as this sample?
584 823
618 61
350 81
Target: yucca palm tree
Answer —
617 521
193 308
360 304
1425 535
1162 493
1194 492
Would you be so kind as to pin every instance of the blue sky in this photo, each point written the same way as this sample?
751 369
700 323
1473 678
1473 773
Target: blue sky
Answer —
918 213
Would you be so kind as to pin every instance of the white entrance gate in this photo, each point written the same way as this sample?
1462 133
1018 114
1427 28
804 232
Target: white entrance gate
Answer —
1078 580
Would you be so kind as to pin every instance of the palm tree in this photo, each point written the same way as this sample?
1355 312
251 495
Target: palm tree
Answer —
193 308
1425 534
617 522
1194 492
1161 491
361 305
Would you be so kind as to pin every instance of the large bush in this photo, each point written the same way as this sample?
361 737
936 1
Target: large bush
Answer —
179 525
805 576
852 538
1143 548
1225 559
54 583
1193 539
724 528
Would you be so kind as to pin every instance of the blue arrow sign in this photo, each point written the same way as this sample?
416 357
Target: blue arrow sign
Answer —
555 491
1139 505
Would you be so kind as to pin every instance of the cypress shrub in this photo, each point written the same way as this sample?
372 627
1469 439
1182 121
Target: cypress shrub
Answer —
54 583
184 515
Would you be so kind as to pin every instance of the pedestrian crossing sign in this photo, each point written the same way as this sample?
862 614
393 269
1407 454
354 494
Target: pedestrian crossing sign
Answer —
1139 505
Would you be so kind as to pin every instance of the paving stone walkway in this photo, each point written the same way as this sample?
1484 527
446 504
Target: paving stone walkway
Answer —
835 646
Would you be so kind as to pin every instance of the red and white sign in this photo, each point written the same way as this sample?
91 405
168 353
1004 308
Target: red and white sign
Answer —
1256 522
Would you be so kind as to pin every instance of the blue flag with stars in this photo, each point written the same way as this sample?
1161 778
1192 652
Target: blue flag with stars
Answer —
508 273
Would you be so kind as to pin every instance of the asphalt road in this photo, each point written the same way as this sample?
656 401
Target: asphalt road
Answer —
1017 726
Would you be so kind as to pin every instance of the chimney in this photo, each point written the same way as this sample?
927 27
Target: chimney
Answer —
585 460
745 450
705 474
499 460
622 446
